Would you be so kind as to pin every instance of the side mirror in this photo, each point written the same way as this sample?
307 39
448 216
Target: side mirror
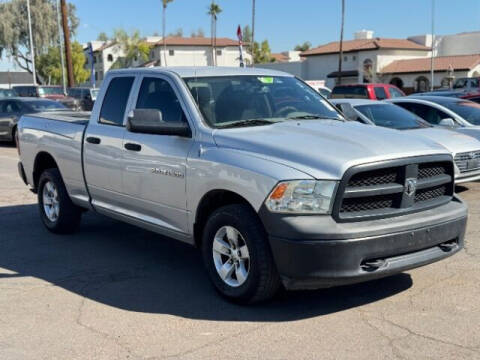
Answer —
149 121
348 111
449 122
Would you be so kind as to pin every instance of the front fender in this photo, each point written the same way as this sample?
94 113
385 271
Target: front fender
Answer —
237 171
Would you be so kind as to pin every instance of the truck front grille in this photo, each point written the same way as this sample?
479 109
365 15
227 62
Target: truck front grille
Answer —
394 188
468 161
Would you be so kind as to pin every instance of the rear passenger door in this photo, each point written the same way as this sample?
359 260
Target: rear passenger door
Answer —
155 165
103 145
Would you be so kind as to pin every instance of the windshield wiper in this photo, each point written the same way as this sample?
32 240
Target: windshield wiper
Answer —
248 122
314 117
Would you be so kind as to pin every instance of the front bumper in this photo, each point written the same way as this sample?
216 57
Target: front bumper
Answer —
315 252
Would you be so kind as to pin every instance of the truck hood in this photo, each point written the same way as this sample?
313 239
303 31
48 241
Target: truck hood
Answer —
325 149
453 141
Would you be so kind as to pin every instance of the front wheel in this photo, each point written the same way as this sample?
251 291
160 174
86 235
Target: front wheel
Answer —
237 255
58 213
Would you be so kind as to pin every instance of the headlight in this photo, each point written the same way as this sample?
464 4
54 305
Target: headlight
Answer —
302 197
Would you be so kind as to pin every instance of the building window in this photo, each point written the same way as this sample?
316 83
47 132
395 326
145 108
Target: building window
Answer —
171 52
445 82
110 57
422 84
219 52
345 58
354 58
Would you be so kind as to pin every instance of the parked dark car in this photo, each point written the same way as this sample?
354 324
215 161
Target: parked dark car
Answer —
463 88
366 91
12 108
86 96
48 92
5 93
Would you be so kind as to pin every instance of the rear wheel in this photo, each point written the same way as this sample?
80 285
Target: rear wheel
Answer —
237 255
58 213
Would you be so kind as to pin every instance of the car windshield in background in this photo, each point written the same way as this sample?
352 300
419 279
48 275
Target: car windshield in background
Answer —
257 100
48 90
460 83
350 91
391 116
45 105
468 110
7 93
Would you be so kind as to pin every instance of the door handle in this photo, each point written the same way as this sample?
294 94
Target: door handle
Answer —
93 140
133 147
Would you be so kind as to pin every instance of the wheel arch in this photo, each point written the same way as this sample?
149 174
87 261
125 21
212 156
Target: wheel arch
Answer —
43 161
211 201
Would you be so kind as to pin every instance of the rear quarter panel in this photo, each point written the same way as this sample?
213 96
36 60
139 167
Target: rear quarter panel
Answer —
63 141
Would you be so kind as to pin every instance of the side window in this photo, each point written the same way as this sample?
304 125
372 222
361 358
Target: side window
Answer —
157 94
427 113
394 93
474 83
9 107
380 93
115 101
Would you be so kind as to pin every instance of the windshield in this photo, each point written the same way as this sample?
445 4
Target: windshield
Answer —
45 105
229 100
468 110
391 116
50 91
359 92
7 93
460 83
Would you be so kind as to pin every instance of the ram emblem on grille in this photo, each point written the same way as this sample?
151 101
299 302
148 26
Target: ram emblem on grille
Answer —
410 186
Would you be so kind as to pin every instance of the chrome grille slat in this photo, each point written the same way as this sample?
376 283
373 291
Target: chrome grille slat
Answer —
464 161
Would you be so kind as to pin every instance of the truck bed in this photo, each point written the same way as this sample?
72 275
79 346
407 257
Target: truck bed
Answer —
80 118
59 134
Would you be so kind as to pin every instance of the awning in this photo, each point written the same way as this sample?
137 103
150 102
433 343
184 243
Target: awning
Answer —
349 73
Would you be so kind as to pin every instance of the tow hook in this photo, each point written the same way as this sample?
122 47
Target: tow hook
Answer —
448 246
372 265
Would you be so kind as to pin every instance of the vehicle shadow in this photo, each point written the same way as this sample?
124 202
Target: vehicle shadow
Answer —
135 270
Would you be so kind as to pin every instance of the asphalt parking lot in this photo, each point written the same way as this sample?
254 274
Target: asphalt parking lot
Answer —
113 291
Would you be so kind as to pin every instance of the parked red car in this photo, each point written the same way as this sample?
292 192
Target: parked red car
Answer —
366 91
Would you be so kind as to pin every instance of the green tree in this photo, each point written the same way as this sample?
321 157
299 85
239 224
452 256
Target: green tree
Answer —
164 22
303 47
198 33
102 36
133 46
50 69
14 40
213 10
262 53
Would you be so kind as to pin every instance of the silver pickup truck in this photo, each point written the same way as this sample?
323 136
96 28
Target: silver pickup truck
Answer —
256 169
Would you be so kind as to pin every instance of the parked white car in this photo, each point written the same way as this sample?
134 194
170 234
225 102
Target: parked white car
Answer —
464 148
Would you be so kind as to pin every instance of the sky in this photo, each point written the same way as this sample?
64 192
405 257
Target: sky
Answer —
284 23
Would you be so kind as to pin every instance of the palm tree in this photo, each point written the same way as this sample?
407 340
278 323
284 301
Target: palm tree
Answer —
164 6
213 11
340 54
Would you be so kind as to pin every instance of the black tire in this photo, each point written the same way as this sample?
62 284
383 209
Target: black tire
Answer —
69 215
14 136
263 281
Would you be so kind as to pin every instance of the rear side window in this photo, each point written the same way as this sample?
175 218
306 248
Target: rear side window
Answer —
115 101
427 113
350 92
380 93
394 93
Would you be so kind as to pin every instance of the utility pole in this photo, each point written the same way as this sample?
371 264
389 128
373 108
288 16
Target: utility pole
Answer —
32 52
62 54
252 45
66 38
432 61
340 55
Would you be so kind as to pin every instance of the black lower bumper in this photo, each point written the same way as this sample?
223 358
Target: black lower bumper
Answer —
306 263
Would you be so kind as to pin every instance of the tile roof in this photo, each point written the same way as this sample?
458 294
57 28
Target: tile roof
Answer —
441 63
279 57
197 41
365 44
